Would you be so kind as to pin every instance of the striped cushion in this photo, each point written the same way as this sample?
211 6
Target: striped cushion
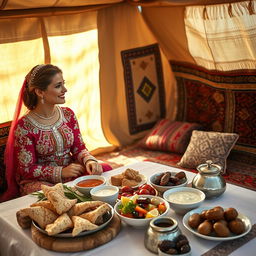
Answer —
170 136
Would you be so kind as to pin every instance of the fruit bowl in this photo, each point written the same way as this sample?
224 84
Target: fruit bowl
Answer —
151 214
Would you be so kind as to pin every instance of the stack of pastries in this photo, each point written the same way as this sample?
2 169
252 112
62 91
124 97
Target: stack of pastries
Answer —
58 213
129 178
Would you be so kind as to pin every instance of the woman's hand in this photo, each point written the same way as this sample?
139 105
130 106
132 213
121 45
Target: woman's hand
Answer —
72 170
93 167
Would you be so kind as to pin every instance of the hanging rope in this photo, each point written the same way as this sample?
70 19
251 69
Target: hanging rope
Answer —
251 7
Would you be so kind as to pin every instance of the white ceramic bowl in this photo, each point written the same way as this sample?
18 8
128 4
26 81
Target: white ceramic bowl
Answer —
141 223
86 190
162 189
178 204
160 253
105 193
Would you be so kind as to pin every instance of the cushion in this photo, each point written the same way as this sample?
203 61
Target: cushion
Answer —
205 146
170 136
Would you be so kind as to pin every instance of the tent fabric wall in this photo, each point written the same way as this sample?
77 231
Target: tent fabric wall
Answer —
28 4
121 28
220 100
21 48
66 42
167 24
215 33
172 3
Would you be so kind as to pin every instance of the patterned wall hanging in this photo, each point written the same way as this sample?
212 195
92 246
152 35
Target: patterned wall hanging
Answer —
223 101
144 85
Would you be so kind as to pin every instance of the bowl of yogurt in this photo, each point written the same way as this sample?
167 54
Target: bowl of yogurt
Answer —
105 193
184 199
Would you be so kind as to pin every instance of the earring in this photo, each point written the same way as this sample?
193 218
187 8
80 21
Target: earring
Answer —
42 100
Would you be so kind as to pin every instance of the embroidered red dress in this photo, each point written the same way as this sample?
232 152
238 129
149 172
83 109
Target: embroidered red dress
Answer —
41 151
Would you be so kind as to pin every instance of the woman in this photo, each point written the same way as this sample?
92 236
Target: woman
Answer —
45 146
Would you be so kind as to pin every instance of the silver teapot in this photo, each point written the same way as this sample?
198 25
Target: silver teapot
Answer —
162 228
209 180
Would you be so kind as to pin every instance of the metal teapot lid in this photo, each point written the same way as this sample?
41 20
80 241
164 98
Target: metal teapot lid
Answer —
209 168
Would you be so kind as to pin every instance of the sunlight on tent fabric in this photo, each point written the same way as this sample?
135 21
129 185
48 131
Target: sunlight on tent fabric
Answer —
77 56
14 66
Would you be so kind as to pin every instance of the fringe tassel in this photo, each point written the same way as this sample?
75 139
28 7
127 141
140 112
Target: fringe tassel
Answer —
230 11
251 8
205 14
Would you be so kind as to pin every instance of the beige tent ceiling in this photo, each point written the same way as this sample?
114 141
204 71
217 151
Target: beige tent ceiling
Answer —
29 4
32 4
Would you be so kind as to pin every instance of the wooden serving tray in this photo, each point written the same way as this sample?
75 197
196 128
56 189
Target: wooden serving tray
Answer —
77 244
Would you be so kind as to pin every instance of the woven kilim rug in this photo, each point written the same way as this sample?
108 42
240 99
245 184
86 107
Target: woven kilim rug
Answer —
144 85
238 173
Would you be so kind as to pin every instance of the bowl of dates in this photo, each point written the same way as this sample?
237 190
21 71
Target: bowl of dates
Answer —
163 181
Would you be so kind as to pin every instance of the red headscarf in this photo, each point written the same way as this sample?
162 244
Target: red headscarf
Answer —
13 188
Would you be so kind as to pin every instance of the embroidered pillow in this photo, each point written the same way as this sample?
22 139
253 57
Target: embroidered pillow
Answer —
204 146
170 136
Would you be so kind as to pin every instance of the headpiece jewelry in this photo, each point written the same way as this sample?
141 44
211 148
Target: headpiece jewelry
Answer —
34 72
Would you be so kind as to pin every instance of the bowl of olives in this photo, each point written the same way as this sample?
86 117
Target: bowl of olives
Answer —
163 181
217 223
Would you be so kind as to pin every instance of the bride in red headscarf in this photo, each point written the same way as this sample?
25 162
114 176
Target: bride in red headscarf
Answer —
45 145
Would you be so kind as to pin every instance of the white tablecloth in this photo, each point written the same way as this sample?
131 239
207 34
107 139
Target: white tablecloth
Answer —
16 241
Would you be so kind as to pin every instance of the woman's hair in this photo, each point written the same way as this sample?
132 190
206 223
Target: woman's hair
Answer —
39 77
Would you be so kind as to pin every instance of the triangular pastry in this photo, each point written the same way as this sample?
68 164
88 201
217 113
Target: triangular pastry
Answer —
61 224
82 207
60 203
95 215
57 188
41 215
23 219
81 224
46 204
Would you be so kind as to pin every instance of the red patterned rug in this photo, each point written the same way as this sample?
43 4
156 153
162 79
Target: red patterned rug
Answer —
222 101
238 173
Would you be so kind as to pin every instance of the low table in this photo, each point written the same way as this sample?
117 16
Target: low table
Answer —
130 241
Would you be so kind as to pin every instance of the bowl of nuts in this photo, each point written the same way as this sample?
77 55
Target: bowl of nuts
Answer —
163 181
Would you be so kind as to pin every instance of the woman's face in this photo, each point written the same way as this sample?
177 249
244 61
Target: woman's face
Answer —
55 92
